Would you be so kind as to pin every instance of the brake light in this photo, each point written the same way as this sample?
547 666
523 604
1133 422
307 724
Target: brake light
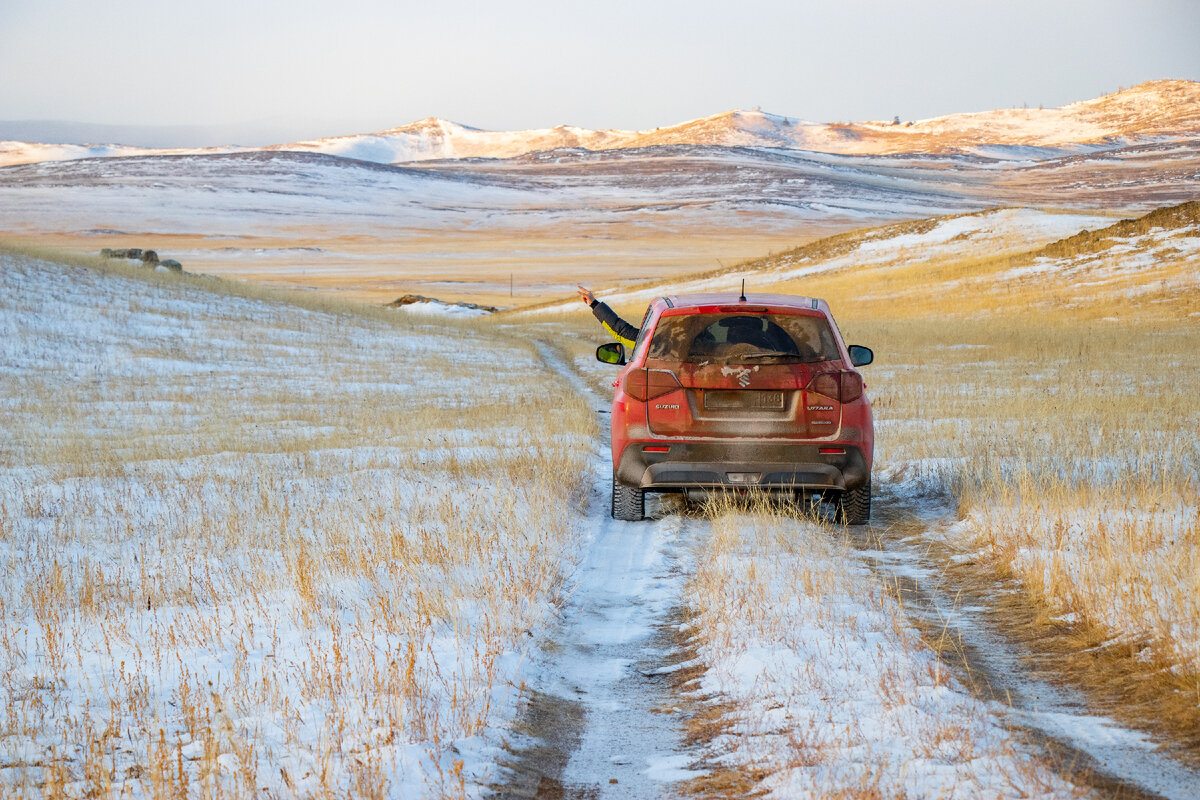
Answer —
656 449
845 387
851 386
646 384
832 451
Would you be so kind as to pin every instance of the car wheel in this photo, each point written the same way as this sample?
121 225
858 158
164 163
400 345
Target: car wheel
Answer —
628 504
854 505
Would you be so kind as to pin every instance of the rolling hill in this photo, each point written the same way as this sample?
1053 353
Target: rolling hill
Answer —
1156 110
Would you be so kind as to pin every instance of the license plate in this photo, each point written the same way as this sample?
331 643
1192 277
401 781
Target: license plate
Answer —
744 401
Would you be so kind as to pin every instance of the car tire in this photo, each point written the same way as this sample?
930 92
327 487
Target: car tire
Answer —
628 505
854 505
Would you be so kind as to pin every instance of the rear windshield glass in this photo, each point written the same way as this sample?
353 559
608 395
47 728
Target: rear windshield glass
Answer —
743 339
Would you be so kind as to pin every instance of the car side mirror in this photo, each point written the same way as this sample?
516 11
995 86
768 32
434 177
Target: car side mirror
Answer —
860 356
611 353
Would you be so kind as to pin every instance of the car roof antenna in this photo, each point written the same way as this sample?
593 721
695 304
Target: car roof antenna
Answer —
742 299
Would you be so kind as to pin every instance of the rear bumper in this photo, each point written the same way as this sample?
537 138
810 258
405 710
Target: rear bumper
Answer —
741 464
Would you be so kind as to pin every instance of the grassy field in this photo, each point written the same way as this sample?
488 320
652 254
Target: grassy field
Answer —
1053 394
1069 450
497 267
246 545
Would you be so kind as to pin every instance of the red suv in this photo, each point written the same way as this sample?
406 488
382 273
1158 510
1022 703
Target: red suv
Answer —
725 392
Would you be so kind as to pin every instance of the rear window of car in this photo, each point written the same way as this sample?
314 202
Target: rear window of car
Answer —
640 343
731 338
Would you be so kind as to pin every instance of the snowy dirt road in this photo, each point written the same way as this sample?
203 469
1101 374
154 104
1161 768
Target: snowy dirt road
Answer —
604 717
1097 749
602 720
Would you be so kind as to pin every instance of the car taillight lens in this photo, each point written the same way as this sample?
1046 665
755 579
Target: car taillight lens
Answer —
646 384
845 387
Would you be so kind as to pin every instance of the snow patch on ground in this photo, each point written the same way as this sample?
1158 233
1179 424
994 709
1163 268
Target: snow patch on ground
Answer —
1127 257
437 308
270 547
832 690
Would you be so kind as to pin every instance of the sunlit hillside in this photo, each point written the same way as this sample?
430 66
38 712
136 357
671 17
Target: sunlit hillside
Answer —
990 263
250 545
1164 109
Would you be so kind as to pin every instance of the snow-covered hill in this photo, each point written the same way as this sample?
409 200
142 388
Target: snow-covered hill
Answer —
35 152
434 138
1032 257
1165 109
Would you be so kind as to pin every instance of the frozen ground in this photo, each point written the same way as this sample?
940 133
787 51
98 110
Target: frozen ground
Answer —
1116 759
831 688
1065 546
247 545
604 721
1124 261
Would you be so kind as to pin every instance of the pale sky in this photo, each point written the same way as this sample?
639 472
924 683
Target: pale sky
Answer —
302 68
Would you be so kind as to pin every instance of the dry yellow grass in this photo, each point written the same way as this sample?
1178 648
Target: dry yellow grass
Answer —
1001 263
262 545
458 264
1143 268
1069 447
1039 407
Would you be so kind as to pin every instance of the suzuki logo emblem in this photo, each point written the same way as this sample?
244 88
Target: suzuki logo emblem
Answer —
742 373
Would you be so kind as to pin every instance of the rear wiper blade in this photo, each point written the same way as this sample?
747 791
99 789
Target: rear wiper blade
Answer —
771 354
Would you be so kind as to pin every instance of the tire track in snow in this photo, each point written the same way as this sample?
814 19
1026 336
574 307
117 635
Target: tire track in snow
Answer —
1116 760
602 719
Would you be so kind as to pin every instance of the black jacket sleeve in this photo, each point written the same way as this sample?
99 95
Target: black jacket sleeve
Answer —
625 333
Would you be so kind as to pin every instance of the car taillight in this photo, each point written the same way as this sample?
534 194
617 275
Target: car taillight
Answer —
845 387
646 384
